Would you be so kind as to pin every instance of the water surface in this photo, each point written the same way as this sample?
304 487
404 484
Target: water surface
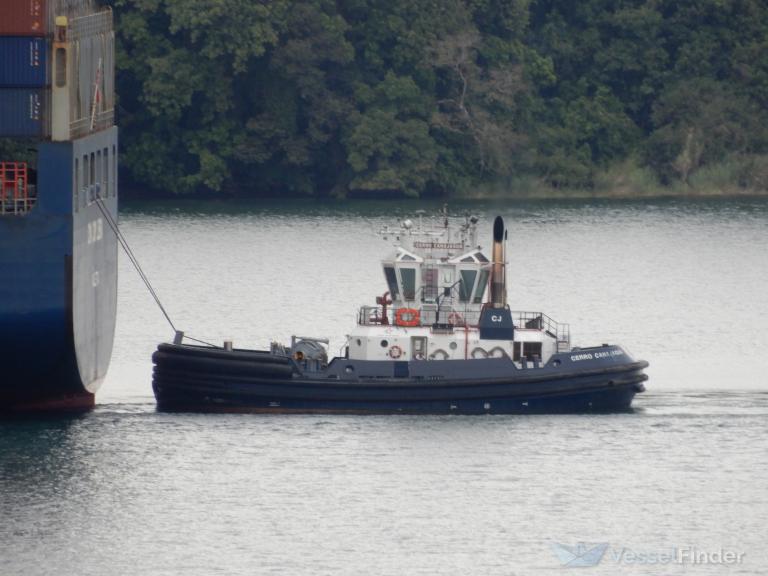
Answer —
126 490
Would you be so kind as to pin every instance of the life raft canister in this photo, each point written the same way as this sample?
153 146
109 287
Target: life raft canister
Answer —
407 317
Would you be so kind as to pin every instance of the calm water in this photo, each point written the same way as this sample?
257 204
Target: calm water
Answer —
125 490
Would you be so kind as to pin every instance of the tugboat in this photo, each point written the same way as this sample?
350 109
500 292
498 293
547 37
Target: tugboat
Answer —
441 340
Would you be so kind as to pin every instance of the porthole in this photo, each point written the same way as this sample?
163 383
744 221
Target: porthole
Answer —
384 343
453 345
359 342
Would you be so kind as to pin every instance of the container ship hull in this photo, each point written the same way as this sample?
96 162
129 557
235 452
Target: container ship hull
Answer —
58 280
58 203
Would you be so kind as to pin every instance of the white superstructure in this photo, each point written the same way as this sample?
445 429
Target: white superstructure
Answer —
446 300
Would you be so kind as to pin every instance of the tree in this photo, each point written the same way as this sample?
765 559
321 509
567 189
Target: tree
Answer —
702 122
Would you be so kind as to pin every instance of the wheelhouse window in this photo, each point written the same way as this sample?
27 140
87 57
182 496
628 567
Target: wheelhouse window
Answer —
408 277
481 285
467 284
389 274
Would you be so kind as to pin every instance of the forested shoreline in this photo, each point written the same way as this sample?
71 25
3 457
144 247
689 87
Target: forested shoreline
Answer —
382 98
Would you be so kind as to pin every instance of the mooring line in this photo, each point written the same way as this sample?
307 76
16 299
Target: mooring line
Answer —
135 261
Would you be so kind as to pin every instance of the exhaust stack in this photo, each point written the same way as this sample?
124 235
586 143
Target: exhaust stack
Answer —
498 269
495 318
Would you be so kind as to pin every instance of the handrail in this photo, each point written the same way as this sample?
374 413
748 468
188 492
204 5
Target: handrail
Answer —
17 196
468 315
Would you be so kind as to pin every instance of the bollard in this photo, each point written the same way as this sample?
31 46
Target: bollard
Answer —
228 345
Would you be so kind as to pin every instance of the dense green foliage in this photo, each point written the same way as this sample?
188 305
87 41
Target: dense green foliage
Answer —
434 97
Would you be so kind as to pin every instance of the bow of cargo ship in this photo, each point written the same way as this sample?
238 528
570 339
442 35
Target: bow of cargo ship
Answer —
58 258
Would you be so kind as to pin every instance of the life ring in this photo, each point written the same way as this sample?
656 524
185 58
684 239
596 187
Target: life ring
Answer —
439 354
479 353
408 317
455 319
395 352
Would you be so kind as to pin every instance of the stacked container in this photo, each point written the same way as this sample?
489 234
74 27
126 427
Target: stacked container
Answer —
36 17
26 37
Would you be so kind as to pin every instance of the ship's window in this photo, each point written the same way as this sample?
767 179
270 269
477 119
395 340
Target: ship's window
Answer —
430 285
61 67
86 171
516 351
481 285
408 276
105 171
99 167
481 257
531 349
92 164
77 184
114 170
384 343
389 273
467 284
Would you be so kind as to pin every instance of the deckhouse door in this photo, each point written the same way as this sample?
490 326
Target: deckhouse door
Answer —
418 347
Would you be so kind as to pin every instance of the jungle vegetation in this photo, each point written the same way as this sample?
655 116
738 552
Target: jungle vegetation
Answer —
424 98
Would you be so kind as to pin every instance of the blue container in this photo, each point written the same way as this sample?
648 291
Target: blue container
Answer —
23 62
24 112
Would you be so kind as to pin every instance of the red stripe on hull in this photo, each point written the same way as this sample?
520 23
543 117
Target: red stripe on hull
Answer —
81 402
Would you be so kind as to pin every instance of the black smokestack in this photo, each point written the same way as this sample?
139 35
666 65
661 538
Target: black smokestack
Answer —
498 276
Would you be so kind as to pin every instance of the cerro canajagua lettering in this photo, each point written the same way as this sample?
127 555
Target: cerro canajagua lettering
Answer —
597 355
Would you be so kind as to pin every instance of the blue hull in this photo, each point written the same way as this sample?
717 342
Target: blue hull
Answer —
58 282
188 378
601 400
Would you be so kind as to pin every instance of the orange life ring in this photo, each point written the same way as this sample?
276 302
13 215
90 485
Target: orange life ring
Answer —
395 352
408 317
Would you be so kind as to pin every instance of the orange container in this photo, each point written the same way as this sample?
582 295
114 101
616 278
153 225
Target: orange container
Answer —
23 17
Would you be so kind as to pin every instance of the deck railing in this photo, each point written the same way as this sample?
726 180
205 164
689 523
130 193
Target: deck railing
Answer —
459 316
17 196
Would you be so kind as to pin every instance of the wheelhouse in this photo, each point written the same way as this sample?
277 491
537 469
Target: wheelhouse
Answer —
439 303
